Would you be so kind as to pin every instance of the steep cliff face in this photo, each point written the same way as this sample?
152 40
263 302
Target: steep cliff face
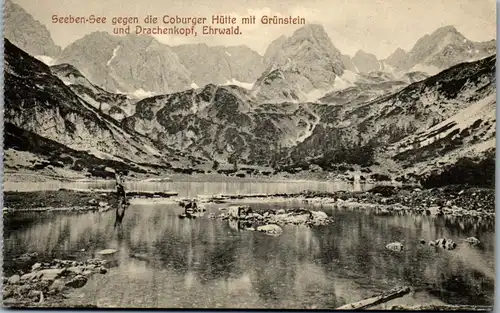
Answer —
26 152
446 47
398 59
300 68
220 65
39 102
129 64
440 50
366 62
27 33
116 105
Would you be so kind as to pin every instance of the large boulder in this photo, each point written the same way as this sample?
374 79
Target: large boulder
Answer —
319 218
395 246
472 241
237 212
270 229
107 251
444 243
49 274
14 279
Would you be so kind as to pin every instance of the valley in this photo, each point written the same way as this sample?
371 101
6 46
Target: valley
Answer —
300 177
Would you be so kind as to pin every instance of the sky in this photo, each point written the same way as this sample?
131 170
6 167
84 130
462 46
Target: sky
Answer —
375 26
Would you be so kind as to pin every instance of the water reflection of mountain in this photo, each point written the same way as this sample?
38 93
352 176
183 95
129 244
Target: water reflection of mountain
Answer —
209 262
359 243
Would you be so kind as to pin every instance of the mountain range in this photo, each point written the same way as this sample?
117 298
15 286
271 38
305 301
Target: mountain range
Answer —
143 105
61 127
141 66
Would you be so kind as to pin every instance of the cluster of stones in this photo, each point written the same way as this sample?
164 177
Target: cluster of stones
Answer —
444 243
269 221
48 280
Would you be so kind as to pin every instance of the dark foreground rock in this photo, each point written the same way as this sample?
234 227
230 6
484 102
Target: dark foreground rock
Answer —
46 283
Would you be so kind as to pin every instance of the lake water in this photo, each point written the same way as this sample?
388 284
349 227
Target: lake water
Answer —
192 189
167 262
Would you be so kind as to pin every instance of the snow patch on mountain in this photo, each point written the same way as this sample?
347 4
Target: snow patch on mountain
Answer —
152 150
316 94
46 59
346 80
429 69
235 82
115 51
141 94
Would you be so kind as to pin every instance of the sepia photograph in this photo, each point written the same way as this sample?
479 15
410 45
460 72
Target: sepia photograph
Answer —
285 154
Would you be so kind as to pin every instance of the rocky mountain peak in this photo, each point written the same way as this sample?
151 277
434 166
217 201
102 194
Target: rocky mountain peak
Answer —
127 63
397 54
366 62
447 29
398 59
310 30
273 49
439 38
27 33
300 65
446 47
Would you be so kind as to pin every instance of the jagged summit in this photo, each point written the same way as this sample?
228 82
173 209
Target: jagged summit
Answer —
366 62
27 33
398 59
300 67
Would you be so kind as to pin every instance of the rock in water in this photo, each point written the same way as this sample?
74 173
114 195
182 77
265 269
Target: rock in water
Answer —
233 211
318 218
237 212
473 241
77 282
444 243
395 246
107 251
270 229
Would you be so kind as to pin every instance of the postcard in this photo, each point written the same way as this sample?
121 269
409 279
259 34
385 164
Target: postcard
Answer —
321 155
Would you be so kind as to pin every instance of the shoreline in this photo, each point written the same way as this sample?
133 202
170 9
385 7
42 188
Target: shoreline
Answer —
27 178
460 201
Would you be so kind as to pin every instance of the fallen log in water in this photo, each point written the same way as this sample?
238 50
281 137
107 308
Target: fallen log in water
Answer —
377 299
443 307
